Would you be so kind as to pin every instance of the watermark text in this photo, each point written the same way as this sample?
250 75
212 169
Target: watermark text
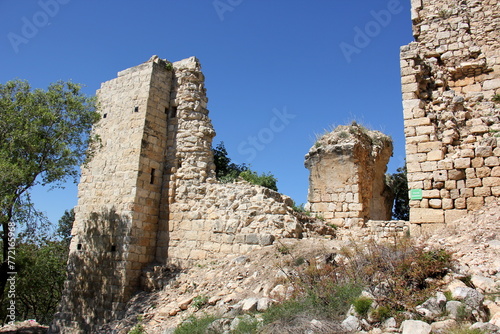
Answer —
254 144
31 26
223 6
363 37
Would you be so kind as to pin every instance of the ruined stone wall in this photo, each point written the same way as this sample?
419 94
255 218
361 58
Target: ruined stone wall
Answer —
149 196
450 75
347 176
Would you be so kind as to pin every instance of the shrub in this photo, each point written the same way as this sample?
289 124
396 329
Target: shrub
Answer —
299 261
247 325
194 325
444 14
265 179
496 98
283 249
199 301
285 311
299 208
464 330
137 329
382 313
362 305
397 275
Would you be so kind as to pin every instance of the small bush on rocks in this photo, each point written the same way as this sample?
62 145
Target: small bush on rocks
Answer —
362 305
400 276
195 325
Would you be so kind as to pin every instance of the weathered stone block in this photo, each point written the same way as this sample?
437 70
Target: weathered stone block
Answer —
447 204
435 203
428 166
492 161
461 163
483 172
435 155
482 191
423 215
440 175
456 174
416 122
475 203
429 146
477 162
491 84
452 215
460 203
484 151
491 181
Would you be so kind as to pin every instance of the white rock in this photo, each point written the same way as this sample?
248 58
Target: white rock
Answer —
184 304
485 326
486 284
263 304
249 304
415 327
351 323
453 307
495 320
390 323
441 326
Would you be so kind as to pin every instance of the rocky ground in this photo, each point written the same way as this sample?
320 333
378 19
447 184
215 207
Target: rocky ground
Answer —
244 284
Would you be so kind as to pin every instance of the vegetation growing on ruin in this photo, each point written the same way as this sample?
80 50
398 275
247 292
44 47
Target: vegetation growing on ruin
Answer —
325 290
227 171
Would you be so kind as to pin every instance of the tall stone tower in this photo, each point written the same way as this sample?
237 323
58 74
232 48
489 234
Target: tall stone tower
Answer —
154 129
450 77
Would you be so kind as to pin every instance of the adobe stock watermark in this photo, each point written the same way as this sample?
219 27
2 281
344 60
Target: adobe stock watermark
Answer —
257 143
363 37
30 27
11 281
223 6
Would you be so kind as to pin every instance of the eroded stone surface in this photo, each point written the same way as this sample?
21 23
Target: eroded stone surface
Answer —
347 185
450 75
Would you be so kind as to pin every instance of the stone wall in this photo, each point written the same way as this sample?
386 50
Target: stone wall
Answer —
450 75
150 197
116 219
347 176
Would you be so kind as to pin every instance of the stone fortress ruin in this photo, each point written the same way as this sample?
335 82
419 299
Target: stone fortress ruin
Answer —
450 76
149 197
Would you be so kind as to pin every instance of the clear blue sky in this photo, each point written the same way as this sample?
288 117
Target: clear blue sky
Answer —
277 72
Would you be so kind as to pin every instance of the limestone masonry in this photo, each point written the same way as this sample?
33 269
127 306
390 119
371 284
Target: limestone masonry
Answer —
347 176
450 76
149 197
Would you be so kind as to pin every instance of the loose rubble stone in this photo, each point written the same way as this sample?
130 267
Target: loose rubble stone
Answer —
415 327
351 323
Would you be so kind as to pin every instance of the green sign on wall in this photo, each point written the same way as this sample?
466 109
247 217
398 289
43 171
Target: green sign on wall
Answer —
415 194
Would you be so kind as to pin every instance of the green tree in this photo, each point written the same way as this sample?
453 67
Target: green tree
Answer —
44 137
398 182
41 271
65 225
227 171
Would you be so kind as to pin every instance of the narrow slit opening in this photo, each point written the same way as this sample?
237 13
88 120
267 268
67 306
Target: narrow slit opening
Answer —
152 180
